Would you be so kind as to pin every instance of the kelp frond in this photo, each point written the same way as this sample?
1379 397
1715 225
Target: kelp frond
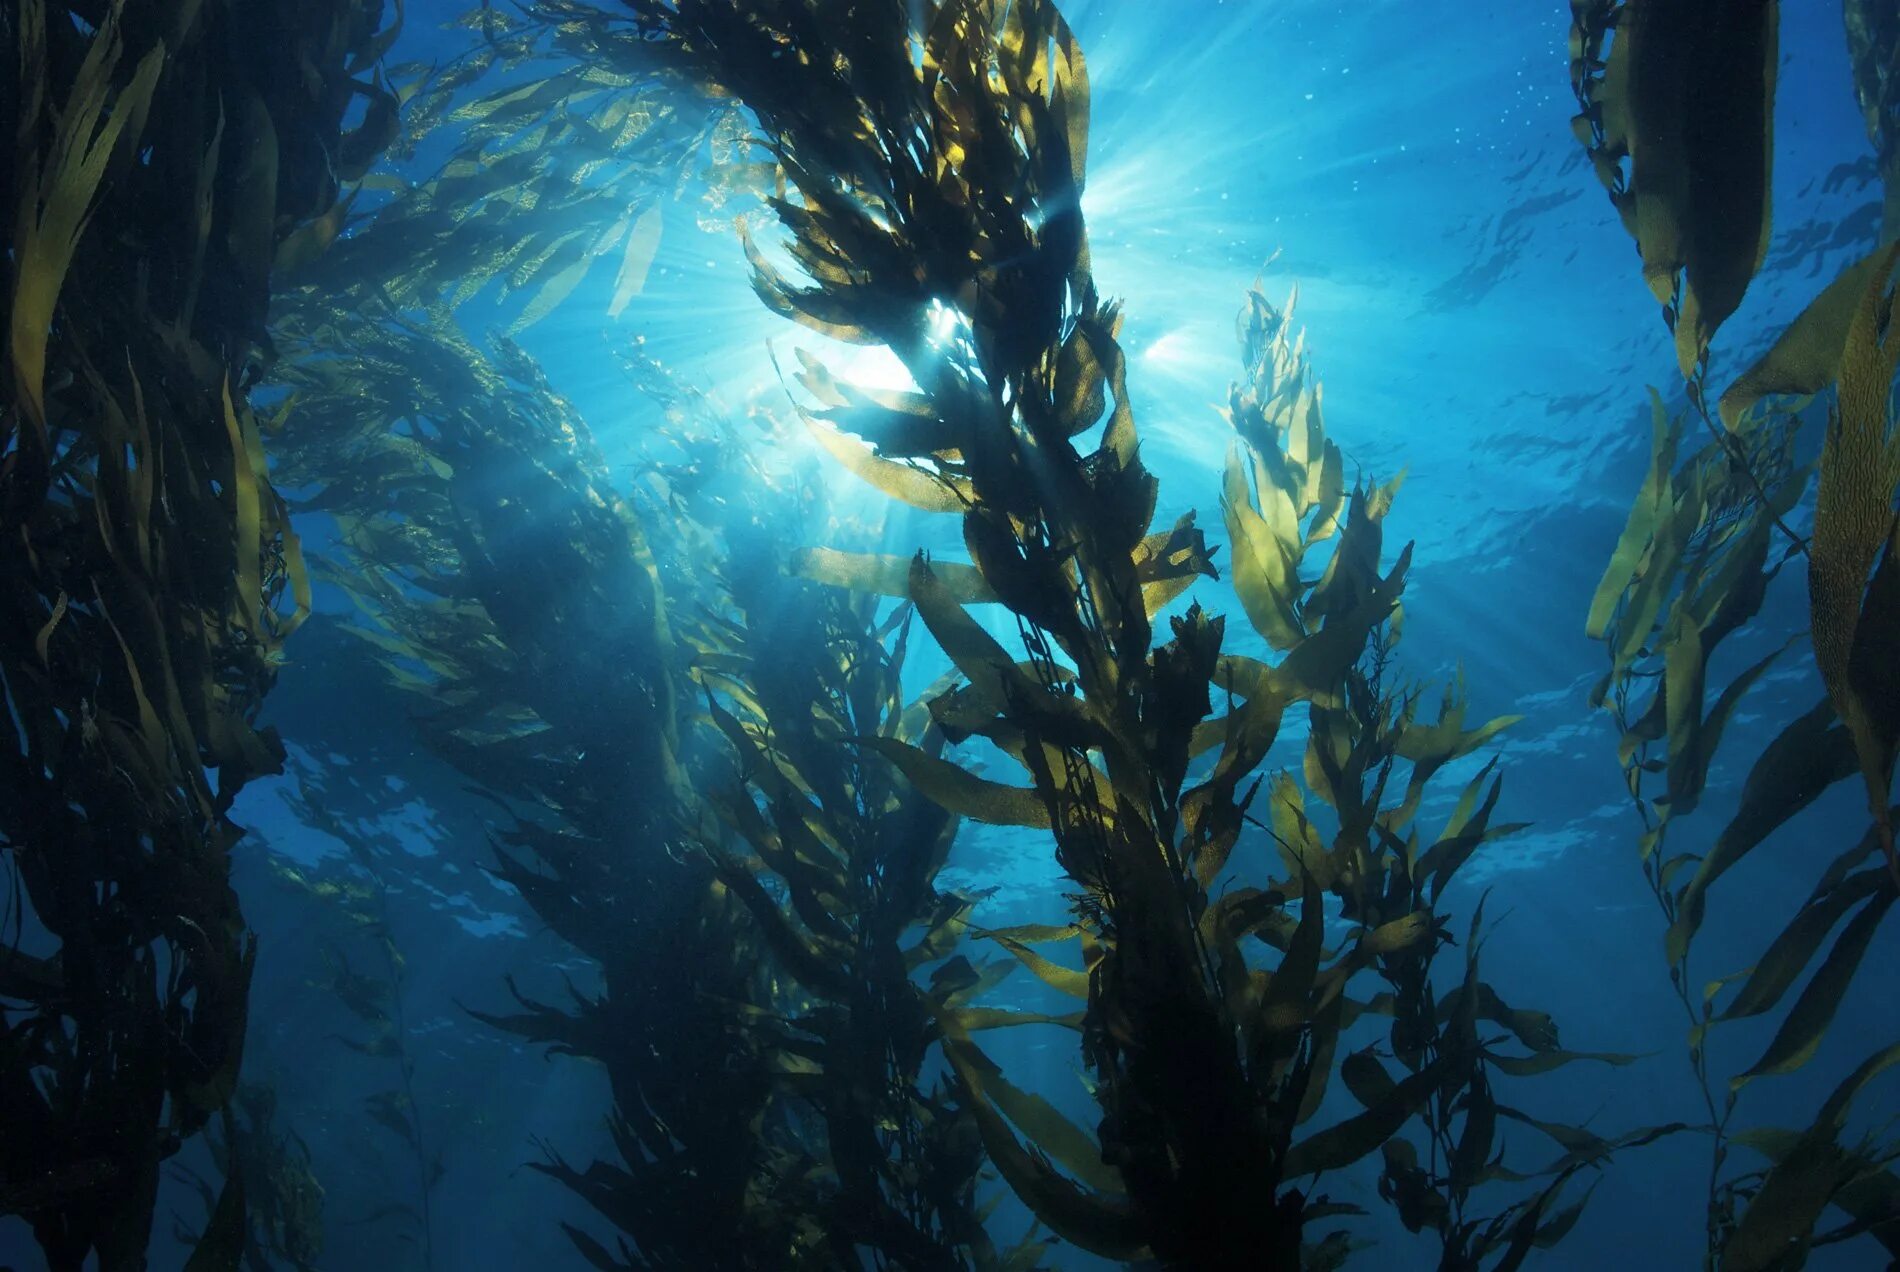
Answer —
1691 108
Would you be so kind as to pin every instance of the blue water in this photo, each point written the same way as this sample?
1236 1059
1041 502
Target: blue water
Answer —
1479 320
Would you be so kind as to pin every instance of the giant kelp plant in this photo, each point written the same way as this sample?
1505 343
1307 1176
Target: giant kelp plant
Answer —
1677 113
932 162
165 159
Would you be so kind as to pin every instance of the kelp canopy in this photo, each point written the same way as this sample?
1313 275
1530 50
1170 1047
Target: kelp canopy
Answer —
255 253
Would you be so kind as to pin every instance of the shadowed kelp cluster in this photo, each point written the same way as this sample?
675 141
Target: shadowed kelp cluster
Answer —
166 158
1678 118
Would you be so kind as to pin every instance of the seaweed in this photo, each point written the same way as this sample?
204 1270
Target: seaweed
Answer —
162 157
489 554
932 161
513 597
279 1202
835 855
1701 557
1873 41
360 895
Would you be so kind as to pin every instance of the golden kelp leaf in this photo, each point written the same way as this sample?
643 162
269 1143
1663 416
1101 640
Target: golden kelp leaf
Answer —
43 639
1473 1153
1689 97
913 484
955 789
994 676
1081 383
247 520
1103 1225
1285 1012
1065 980
1810 1172
1348 1141
1870 1197
556 288
1806 357
947 926
977 1019
1069 97
1040 1122
1853 521
1294 834
1807 757
1799 1036
817 966
1693 737
1265 564
311 240
358 149
1776 971
1034 933
1316 667
150 732
885 575
59 195
643 244
1544 1061
1401 933
1366 1078
1535 1029
1467 829
1650 510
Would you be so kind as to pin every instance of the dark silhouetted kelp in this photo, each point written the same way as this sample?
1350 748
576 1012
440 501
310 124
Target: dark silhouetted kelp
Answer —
166 158
1678 121
282 1202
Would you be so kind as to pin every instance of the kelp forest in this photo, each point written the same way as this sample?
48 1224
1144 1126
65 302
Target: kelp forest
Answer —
619 654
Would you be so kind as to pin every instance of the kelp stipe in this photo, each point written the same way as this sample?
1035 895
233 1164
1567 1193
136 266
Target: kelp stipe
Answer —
1701 555
161 168
1203 1064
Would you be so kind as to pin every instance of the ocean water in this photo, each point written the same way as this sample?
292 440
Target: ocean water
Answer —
1479 320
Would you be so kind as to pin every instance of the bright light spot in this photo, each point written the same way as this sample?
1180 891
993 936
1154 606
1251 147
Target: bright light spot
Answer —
945 321
1172 348
873 366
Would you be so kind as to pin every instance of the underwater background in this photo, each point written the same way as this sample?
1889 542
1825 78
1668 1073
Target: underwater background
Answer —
1473 305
